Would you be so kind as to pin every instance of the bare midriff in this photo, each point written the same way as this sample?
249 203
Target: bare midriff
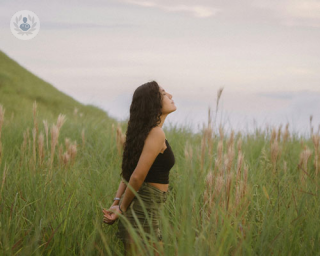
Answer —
163 187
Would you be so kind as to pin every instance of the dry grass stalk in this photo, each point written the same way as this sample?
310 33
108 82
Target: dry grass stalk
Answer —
286 134
239 166
45 124
304 158
239 145
41 148
34 148
54 140
73 152
219 93
60 154
279 133
66 159
60 121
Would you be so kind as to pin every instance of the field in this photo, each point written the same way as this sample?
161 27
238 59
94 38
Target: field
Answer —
230 193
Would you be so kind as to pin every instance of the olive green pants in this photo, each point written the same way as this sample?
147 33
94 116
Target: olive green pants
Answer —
142 215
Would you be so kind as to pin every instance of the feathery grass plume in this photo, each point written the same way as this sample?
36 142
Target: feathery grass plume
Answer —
41 148
45 124
81 114
66 158
311 126
218 162
60 121
239 166
35 123
67 143
273 135
121 138
29 146
83 138
209 116
239 145
73 152
54 140
219 93
279 133
230 157
34 153
303 164
286 134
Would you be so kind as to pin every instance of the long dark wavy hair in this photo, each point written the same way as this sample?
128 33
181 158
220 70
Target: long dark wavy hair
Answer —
145 113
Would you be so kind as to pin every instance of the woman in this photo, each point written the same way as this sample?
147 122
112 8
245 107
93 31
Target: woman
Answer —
147 160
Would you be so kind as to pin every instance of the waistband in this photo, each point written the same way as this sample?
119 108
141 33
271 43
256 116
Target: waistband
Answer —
155 188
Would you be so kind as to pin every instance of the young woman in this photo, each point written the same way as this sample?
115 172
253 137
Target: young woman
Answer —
147 160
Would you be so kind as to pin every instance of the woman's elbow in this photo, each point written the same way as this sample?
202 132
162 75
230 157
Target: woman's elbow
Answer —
137 178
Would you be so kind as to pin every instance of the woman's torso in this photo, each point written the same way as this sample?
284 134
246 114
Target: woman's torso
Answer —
163 187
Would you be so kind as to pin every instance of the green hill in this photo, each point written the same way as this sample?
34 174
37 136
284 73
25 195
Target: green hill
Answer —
19 88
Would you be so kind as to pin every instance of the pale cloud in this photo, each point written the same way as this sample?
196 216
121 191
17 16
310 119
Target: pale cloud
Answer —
200 11
293 12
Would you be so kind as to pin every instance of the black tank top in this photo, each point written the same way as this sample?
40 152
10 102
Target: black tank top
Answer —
159 171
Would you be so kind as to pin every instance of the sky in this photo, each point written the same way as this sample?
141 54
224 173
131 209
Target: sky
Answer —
265 54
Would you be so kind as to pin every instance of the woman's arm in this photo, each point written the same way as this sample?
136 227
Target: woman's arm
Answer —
121 189
152 147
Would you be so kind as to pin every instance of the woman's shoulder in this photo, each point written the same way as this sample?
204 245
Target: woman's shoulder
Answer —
156 133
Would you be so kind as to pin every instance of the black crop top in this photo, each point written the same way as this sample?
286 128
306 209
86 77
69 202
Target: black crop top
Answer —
159 171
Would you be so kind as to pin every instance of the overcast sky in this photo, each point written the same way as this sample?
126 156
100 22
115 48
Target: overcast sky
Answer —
265 54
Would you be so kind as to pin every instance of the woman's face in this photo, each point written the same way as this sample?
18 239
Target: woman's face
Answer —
167 102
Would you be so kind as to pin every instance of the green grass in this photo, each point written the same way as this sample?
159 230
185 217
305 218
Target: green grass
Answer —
61 214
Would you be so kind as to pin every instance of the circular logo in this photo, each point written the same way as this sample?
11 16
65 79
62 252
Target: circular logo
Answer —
25 25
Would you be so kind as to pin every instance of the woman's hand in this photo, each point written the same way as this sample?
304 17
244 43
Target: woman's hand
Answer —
111 215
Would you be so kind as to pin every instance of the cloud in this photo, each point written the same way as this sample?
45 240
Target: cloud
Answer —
293 12
200 11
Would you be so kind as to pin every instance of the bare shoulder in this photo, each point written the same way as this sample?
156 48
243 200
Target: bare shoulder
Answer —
156 136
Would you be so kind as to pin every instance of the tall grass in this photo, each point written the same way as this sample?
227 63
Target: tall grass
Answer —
229 194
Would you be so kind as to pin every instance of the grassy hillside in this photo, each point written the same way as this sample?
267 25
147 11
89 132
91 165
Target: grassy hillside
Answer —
19 88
